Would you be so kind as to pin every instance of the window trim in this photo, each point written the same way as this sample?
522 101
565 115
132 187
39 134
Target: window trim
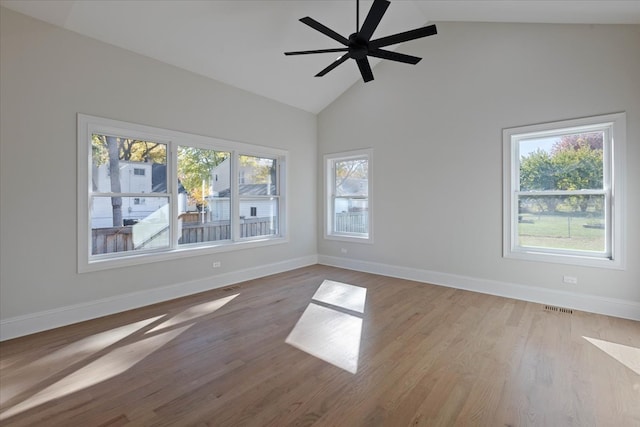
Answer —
88 125
614 126
329 161
239 198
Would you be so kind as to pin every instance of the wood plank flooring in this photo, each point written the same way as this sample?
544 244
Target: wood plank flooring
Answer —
427 356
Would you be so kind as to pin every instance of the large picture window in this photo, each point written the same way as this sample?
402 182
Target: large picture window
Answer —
147 194
348 196
563 191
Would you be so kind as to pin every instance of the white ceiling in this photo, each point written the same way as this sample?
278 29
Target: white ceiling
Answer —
241 42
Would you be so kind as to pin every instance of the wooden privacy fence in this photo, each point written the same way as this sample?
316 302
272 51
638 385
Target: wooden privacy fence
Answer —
193 232
221 230
352 222
120 239
111 239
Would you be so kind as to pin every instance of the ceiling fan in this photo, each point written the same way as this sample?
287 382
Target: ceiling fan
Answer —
359 44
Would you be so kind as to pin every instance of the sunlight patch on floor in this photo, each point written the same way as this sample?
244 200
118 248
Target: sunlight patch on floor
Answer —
329 335
327 332
108 366
64 358
342 295
194 312
95 359
627 355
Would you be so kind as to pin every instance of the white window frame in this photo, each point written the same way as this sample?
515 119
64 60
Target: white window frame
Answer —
241 180
614 127
329 199
89 125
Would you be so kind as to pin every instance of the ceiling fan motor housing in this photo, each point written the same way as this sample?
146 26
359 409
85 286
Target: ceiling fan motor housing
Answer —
358 48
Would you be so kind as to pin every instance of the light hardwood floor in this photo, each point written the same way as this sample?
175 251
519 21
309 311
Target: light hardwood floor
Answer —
427 355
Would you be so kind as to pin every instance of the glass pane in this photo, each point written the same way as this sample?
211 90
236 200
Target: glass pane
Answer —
351 215
351 177
125 165
563 162
122 224
258 217
257 176
207 225
562 222
204 208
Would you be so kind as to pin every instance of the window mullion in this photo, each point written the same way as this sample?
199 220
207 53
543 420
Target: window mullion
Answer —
235 197
172 186
125 194
332 212
561 193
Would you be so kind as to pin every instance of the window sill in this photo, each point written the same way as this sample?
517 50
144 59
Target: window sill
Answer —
348 238
167 255
581 261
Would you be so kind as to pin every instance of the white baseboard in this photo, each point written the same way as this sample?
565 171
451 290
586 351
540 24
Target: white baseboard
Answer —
576 301
44 320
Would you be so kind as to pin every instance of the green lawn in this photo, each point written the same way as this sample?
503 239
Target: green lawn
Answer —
560 231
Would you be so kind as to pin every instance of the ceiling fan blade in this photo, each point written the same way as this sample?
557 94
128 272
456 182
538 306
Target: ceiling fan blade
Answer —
394 56
365 69
378 8
324 30
333 65
403 37
306 52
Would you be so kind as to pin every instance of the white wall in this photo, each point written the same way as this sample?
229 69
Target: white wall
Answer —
436 133
48 75
435 129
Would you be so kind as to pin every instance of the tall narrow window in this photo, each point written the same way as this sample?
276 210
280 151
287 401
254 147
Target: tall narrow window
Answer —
258 188
348 200
563 191
204 203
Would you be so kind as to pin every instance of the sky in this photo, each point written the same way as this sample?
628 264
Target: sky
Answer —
528 146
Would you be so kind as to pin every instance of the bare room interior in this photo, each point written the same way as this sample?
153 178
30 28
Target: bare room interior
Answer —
328 213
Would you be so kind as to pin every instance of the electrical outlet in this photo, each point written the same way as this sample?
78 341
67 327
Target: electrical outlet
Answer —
571 280
343 250
216 264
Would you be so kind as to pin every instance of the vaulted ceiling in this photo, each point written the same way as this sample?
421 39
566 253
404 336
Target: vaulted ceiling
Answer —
241 43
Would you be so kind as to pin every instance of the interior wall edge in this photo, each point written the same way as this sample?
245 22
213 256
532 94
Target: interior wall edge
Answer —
41 321
589 303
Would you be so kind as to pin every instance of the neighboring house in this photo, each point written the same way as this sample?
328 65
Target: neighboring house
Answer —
255 207
253 203
349 188
221 177
137 178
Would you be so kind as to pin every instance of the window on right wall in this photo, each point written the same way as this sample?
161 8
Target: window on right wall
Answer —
564 191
